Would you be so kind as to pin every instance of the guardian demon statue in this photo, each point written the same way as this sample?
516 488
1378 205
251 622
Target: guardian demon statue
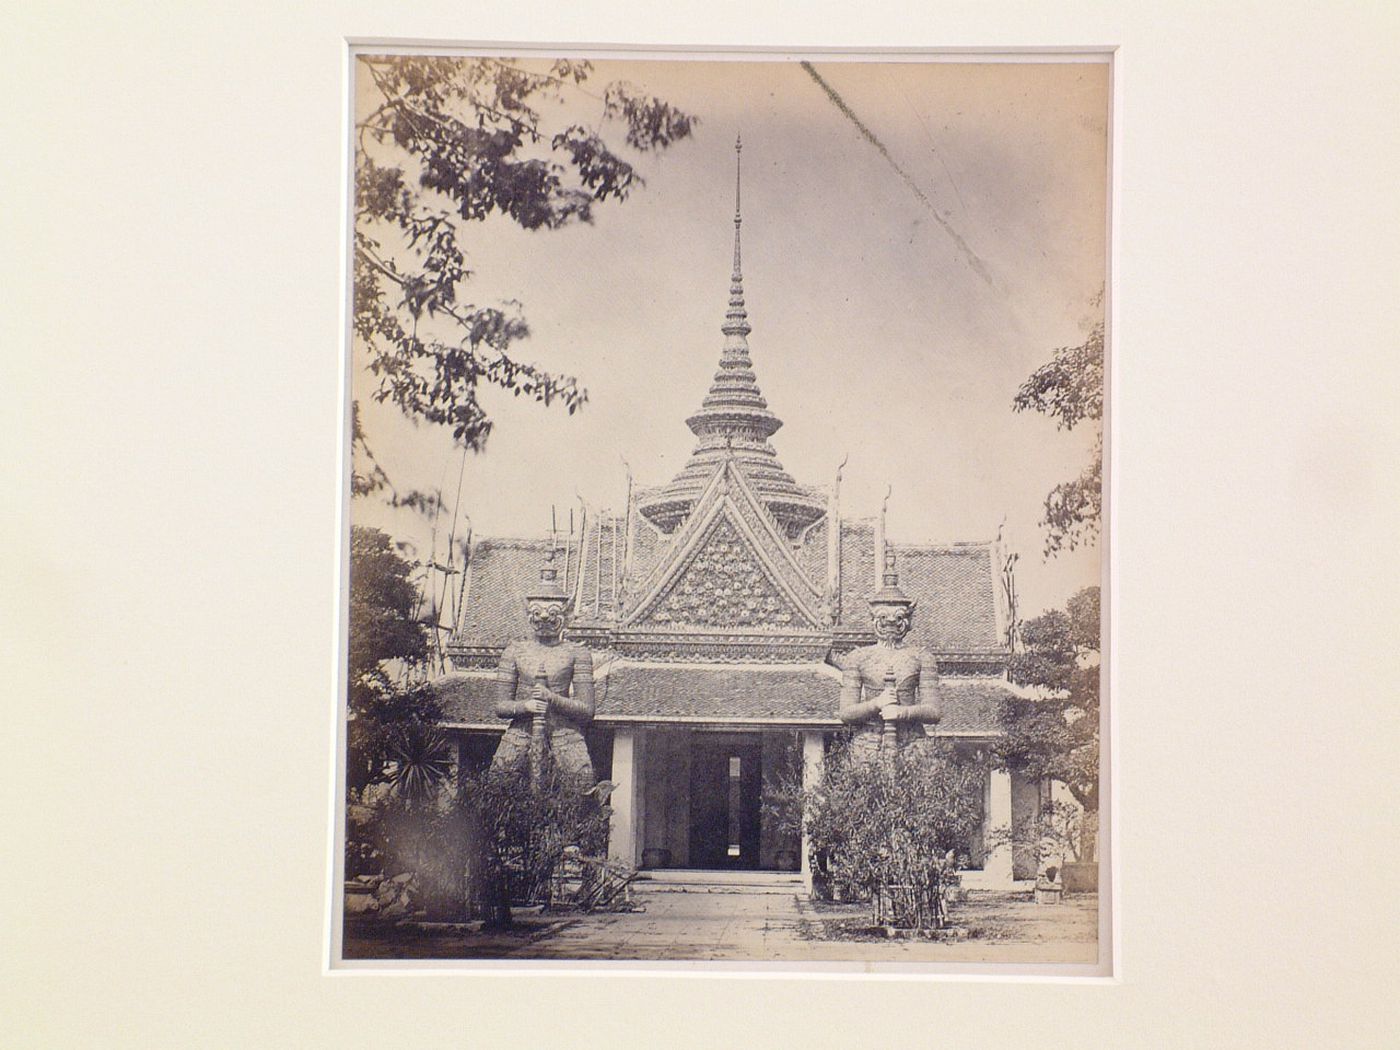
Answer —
544 686
889 691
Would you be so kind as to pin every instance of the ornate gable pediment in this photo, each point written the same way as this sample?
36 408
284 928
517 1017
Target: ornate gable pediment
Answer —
724 584
729 568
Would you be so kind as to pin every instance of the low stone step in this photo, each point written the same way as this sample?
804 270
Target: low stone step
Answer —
694 881
717 875
646 888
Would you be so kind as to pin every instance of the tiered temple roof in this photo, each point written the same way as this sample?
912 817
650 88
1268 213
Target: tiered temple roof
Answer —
956 586
730 594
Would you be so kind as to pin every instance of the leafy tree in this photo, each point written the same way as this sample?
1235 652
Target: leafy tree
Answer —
388 720
1069 389
1055 734
447 142
382 597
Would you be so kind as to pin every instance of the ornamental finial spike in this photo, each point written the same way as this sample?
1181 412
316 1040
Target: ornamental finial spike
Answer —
737 317
738 173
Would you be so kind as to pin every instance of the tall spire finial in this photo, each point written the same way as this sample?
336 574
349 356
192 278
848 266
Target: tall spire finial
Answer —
734 422
738 172
736 320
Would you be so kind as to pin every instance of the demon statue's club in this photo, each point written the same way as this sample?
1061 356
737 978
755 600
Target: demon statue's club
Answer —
889 691
544 686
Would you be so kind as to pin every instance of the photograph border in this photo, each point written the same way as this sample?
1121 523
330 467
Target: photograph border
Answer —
1107 969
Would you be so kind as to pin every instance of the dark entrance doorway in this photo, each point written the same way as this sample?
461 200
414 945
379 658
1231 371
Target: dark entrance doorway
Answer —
725 782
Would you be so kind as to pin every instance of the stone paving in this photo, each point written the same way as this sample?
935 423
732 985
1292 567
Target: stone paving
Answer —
680 924
737 925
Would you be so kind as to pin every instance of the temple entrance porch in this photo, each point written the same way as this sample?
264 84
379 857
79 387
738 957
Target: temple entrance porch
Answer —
711 798
708 798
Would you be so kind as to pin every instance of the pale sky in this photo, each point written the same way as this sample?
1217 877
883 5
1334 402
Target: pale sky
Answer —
873 333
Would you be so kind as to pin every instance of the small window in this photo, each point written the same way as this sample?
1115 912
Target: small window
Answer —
735 765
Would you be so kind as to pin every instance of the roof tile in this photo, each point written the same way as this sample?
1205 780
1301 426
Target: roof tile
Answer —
954 584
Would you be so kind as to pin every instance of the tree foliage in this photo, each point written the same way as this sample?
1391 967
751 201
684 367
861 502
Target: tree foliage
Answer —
1055 734
446 142
382 597
389 721
1069 389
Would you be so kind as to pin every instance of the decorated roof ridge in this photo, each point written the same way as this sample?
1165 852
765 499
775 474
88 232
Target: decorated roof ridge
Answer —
816 666
764 512
948 547
516 542
764 536
676 542
650 544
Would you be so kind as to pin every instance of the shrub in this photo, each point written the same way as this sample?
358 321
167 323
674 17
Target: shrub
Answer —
888 827
523 831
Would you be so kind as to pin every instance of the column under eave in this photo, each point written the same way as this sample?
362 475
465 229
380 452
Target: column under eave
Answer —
624 835
813 758
996 870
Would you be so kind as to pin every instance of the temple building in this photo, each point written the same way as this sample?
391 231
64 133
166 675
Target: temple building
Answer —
718 607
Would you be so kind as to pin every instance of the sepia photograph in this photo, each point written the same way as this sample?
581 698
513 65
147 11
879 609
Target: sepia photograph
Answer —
588 525
725 548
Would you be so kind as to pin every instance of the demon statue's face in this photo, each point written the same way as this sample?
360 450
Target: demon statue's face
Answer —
547 618
892 622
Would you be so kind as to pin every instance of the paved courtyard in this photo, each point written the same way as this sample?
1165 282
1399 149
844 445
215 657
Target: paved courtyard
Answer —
740 925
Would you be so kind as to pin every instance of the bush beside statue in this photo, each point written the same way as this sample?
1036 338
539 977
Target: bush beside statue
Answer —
888 829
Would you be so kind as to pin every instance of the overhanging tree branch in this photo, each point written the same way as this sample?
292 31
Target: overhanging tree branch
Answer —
447 143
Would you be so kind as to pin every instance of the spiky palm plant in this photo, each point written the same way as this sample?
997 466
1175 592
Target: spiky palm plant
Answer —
422 761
